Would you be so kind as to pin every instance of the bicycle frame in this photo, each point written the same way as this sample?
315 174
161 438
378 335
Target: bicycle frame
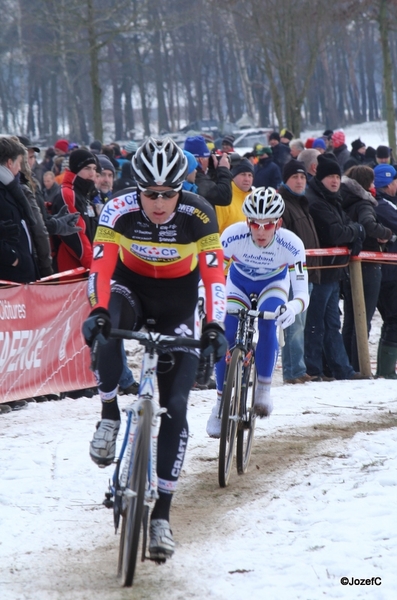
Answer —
132 458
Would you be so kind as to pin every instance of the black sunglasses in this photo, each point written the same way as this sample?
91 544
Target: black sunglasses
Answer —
153 195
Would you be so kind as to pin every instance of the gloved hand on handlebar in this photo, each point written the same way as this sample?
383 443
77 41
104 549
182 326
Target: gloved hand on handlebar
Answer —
97 327
213 341
285 315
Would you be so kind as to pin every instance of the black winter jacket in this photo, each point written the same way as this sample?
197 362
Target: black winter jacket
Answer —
297 218
217 192
360 207
333 226
12 209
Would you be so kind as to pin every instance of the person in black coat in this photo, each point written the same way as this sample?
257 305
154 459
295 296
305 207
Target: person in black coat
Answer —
334 228
359 203
281 152
218 188
297 218
17 262
357 155
386 210
267 173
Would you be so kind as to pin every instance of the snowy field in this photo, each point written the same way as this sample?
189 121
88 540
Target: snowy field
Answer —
317 505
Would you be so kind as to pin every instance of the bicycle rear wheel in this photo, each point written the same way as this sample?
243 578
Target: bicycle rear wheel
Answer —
230 415
134 504
246 426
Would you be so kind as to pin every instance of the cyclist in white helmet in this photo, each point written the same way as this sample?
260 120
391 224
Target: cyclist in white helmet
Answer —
263 258
150 249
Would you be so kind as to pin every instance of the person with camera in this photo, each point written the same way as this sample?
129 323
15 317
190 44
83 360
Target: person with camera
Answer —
217 188
150 248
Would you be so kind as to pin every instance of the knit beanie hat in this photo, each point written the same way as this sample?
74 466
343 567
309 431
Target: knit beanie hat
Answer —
309 143
62 145
106 164
383 152
338 138
196 145
96 146
319 143
228 140
328 134
191 162
285 133
370 153
292 167
357 144
261 150
327 165
274 136
243 166
384 175
81 158
131 147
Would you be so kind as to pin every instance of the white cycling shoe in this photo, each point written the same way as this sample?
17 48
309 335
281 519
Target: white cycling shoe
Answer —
103 445
263 404
214 422
161 545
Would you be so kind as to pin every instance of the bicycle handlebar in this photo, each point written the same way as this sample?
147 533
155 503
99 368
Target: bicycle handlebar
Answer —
261 314
155 338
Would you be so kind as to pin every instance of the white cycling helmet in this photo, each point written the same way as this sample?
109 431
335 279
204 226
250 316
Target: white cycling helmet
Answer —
159 162
263 203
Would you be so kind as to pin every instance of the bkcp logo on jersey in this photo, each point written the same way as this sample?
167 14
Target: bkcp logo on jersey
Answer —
117 207
155 252
219 301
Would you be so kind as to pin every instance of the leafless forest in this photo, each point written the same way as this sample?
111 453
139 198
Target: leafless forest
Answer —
97 68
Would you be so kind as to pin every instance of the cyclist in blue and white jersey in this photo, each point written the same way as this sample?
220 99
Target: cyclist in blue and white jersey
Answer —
263 258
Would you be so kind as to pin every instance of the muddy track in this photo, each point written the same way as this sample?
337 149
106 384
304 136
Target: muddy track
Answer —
200 512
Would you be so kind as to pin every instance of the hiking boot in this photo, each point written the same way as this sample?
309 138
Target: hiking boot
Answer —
263 404
213 428
305 377
359 376
4 409
131 389
18 404
161 545
294 381
103 445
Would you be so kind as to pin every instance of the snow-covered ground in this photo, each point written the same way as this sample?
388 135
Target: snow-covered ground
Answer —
317 505
373 133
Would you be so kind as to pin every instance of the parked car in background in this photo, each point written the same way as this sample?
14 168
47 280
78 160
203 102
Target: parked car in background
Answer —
247 138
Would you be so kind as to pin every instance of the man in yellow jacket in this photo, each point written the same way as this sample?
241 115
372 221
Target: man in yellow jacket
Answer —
243 176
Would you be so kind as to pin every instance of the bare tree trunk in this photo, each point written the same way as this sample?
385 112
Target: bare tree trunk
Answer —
384 28
94 73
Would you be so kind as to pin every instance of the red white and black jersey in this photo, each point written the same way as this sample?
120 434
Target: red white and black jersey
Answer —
128 247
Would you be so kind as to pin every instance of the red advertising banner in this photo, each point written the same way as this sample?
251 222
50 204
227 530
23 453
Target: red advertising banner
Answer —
42 349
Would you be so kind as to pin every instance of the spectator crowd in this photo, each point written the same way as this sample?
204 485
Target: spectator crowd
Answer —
334 196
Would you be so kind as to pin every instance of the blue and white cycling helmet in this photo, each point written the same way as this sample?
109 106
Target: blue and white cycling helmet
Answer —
263 203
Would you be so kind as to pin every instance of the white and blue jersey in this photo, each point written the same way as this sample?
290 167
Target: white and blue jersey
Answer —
267 272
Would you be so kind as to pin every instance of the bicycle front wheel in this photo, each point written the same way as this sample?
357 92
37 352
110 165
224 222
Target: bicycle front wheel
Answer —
134 498
246 426
230 416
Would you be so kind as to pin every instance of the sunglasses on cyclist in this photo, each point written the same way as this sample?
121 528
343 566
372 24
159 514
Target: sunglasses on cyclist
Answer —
266 226
153 194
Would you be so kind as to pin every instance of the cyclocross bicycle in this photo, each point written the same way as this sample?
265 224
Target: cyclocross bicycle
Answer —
236 407
134 484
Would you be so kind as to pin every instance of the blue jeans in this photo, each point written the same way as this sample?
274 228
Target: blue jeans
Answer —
293 352
322 333
127 377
